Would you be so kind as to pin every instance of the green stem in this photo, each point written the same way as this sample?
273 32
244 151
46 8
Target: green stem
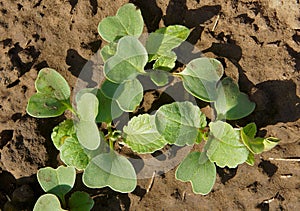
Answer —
69 107
63 201
111 144
109 129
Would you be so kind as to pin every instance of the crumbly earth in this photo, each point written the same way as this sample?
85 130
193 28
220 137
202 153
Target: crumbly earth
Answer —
258 43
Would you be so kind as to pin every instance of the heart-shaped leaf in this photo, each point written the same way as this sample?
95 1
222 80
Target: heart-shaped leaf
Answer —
232 104
57 181
200 78
127 95
201 175
112 170
62 131
80 201
48 202
128 21
224 146
179 122
72 154
142 136
160 43
128 62
86 129
52 97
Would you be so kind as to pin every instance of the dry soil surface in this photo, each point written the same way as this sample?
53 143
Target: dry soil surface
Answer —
258 42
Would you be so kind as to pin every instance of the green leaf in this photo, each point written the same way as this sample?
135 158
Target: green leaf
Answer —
72 154
80 201
108 108
86 129
50 81
88 134
57 181
160 43
179 122
224 146
166 62
112 170
255 145
250 130
109 89
127 95
142 136
108 51
128 21
103 148
159 78
232 104
47 202
128 62
52 97
62 131
201 175
87 107
270 143
251 159
200 78
202 135
83 91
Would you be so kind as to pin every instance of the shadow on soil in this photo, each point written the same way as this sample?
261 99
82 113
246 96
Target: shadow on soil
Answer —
276 100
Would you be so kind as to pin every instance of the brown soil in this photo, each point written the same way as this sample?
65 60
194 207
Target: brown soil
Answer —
258 43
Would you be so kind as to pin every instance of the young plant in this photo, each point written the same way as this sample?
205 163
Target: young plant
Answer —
82 145
57 183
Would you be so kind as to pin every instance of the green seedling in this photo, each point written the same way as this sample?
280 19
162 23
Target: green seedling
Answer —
57 183
83 146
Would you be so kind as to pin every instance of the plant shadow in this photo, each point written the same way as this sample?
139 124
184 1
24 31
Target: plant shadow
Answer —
276 100
81 67
105 198
178 13
151 13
